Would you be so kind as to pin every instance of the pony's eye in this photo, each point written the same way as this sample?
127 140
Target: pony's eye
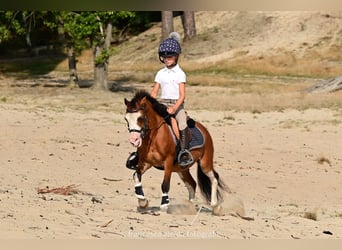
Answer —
140 120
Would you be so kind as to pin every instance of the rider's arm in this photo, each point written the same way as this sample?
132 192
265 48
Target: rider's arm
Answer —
155 90
180 99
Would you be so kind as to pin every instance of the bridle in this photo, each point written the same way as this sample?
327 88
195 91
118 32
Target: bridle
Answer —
145 128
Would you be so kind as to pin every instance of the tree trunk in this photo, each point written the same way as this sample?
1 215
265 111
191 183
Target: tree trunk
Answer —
108 38
100 74
73 78
28 33
167 23
188 21
62 36
101 67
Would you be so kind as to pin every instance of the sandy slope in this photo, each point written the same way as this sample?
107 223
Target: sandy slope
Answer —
229 35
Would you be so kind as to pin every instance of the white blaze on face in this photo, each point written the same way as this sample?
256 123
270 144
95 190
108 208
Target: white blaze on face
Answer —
134 134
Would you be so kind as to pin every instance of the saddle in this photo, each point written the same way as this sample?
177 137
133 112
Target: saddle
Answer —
196 138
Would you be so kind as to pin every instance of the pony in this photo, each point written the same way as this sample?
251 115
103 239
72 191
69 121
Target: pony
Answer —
150 132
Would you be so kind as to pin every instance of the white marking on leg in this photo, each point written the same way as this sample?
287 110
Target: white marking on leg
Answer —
136 179
214 186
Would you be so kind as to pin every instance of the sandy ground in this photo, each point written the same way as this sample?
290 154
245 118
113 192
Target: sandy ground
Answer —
269 160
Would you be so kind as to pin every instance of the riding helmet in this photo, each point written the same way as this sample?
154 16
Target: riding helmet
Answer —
170 46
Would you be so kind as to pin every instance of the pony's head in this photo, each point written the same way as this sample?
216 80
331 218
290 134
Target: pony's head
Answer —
135 118
136 115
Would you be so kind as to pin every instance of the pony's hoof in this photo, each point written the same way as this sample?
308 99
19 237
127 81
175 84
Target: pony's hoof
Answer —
143 203
164 207
218 210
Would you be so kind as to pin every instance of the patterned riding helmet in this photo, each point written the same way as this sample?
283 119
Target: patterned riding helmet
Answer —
169 47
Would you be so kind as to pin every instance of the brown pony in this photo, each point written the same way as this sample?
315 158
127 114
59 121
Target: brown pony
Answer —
147 121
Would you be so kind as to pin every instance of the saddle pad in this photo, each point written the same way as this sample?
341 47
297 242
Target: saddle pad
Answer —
197 139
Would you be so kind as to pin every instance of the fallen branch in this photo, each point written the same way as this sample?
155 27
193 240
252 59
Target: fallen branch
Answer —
110 179
106 225
67 190
245 217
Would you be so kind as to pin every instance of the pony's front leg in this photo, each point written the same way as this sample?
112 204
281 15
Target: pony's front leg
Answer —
139 192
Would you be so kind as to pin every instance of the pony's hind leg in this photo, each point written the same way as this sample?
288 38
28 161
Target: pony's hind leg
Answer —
139 192
189 183
214 188
208 183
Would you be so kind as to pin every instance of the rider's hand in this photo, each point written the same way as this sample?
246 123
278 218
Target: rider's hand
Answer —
170 110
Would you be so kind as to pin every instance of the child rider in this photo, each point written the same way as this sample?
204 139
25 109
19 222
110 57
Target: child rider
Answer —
171 81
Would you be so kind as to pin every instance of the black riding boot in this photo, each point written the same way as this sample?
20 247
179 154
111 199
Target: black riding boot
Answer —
184 157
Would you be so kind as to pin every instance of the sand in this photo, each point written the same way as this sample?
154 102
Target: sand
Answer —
283 168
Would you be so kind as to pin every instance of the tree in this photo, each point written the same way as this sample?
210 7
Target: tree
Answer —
102 42
188 21
75 31
24 28
94 29
167 23
101 55
14 23
64 24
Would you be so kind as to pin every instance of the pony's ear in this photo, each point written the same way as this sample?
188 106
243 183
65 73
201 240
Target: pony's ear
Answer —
143 102
126 102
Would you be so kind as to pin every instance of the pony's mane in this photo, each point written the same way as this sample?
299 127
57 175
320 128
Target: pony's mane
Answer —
160 108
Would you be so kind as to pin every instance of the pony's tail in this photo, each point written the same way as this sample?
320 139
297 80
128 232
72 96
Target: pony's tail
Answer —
204 184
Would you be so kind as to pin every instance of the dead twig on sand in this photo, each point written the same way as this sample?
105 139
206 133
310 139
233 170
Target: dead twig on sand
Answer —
110 179
245 217
106 225
67 190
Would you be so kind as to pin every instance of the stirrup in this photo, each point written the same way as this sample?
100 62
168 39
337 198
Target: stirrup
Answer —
187 162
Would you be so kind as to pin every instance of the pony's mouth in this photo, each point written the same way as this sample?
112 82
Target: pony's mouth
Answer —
135 139
136 143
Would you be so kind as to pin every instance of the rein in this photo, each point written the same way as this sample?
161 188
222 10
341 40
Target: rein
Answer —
159 125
